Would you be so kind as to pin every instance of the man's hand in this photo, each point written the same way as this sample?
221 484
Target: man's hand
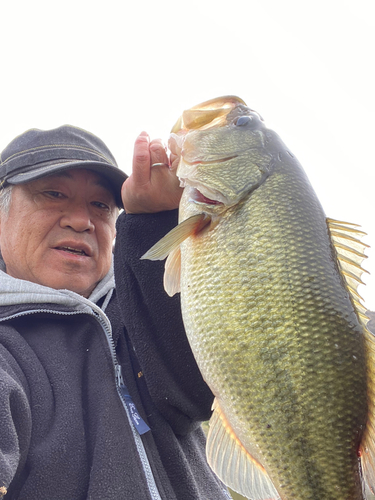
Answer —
150 188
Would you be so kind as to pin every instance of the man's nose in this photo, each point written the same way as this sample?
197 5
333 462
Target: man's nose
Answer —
78 217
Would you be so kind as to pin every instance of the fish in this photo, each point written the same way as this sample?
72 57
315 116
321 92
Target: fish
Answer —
270 304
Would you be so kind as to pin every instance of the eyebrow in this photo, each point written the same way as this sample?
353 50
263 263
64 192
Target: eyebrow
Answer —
100 181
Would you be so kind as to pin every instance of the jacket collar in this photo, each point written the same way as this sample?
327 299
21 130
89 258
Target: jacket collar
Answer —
14 291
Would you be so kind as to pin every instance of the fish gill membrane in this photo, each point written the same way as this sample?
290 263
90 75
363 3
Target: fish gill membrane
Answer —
271 310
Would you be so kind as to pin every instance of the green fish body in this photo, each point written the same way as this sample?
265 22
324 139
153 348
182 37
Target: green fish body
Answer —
271 313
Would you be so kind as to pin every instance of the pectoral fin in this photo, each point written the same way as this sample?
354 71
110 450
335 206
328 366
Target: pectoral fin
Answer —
169 246
172 272
233 464
176 236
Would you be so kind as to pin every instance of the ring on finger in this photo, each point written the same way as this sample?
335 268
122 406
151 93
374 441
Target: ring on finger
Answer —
159 164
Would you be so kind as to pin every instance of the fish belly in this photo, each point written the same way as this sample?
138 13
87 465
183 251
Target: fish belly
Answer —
277 339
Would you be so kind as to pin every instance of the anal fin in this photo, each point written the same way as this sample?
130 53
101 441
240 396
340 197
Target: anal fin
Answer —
233 464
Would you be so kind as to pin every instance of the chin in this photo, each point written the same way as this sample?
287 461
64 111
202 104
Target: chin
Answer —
82 289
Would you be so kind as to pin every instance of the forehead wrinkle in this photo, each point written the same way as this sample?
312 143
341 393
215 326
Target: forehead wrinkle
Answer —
99 180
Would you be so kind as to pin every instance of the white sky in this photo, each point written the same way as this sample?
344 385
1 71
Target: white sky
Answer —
122 66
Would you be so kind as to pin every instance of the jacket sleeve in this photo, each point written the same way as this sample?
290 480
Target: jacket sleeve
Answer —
15 420
154 324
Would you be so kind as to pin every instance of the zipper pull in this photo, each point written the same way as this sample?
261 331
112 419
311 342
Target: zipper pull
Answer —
137 420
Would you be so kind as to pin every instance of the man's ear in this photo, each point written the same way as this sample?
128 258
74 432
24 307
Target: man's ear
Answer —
114 243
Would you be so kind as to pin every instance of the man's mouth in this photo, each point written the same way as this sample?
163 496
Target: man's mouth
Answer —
75 251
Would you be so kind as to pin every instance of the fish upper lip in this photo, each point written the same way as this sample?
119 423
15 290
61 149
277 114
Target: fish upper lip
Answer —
74 245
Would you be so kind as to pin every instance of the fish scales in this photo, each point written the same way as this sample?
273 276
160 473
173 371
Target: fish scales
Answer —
275 292
270 319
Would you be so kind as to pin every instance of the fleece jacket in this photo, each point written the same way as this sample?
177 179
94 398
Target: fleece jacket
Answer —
101 398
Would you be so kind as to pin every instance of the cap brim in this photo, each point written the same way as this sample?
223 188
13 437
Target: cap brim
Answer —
114 175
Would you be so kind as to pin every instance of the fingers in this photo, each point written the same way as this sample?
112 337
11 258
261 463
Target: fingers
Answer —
146 154
152 186
158 152
141 159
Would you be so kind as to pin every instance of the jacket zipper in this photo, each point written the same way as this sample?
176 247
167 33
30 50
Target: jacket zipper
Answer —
121 389
120 386
138 422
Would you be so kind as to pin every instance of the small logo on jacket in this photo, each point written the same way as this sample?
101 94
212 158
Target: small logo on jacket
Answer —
135 416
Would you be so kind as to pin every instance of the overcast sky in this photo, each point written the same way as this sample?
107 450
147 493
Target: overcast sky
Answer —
119 67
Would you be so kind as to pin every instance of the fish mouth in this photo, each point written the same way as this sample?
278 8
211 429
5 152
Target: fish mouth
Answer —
207 114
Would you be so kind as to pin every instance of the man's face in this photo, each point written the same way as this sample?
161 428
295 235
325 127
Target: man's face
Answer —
59 231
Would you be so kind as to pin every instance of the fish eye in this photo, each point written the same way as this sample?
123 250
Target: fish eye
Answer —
243 120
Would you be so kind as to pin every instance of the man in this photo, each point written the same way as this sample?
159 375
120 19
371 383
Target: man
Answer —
100 396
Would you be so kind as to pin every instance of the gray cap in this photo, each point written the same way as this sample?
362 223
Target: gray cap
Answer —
37 153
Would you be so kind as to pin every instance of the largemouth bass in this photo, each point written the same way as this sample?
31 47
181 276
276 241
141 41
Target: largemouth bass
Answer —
271 310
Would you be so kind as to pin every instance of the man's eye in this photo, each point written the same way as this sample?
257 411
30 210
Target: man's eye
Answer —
54 194
100 205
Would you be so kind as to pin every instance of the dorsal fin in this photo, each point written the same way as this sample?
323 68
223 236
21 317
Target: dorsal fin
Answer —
350 254
233 464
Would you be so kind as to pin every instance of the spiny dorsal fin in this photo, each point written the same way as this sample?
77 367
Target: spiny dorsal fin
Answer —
344 237
350 254
233 464
346 227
